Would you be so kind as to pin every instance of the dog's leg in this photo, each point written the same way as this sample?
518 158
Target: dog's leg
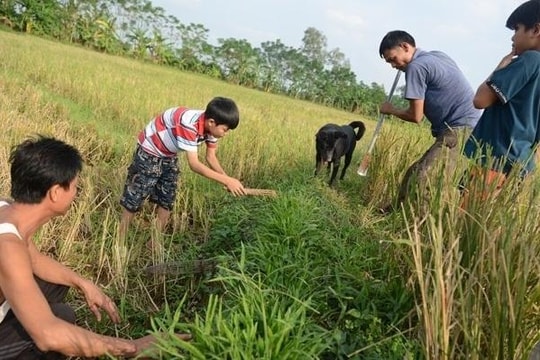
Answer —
335 168
318 164
348 159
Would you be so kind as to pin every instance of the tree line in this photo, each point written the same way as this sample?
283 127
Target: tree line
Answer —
138 29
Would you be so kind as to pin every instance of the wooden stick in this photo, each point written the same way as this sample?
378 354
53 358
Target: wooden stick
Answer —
261 192
363 168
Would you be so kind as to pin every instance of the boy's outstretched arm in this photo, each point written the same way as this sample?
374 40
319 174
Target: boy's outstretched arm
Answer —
213 161
232 184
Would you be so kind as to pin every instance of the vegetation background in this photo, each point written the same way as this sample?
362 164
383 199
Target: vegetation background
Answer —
138 29
314 273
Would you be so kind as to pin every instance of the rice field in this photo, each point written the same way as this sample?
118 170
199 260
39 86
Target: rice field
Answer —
313 273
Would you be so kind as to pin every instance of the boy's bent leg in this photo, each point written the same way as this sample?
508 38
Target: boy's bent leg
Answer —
164 194
162 218
143 174
125 220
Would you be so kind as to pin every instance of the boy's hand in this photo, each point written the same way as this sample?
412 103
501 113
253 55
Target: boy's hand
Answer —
235 187
507 59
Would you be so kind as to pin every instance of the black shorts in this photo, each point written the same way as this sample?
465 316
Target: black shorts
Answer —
15 343
150 177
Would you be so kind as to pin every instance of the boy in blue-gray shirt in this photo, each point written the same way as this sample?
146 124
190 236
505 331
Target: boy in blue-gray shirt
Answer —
436 88
509 129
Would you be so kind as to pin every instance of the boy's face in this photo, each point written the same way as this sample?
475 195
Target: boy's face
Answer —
217 131
399 56
524 40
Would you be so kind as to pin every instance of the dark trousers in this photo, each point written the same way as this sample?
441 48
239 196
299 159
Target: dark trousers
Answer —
446 147
15 343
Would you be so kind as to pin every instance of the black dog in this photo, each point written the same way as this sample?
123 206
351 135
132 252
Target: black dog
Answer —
333 142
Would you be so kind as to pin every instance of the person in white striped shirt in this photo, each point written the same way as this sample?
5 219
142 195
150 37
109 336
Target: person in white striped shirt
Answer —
153 173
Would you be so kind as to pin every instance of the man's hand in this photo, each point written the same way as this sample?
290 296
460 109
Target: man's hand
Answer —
146 346
386 108
98 301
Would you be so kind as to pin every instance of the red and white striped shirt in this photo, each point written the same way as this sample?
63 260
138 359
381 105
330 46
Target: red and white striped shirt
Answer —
176 129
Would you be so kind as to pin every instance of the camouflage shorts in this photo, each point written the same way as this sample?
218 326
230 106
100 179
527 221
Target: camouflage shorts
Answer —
150 177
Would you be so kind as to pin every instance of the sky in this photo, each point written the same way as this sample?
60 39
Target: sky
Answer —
472 32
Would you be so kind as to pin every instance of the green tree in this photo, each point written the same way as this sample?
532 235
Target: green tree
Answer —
41 17
273 70
160 49
239 61
195 50
139 43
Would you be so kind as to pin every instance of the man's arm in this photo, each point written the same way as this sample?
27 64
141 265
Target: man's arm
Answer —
232 184
54 272
414 113
34 313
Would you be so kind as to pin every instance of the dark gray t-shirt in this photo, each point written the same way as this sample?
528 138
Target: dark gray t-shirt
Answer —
434 77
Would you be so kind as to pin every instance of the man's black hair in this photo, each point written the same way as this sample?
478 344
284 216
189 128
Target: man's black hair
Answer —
395 38
39 163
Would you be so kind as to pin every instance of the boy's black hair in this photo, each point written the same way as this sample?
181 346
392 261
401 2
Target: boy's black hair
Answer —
39 163
224 112
526 14
393 39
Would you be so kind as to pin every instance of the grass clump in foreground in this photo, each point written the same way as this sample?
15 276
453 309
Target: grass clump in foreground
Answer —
295 286
313 273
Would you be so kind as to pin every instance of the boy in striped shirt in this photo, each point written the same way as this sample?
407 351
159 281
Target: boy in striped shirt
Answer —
153 174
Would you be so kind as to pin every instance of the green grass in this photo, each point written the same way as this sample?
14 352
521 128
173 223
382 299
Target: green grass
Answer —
312 274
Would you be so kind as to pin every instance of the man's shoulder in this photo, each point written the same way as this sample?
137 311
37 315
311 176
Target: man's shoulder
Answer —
7 228
432 56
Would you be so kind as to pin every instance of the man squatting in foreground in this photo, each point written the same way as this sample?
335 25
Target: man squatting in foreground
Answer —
35 323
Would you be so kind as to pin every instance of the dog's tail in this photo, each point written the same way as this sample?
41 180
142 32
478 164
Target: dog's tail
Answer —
361 129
